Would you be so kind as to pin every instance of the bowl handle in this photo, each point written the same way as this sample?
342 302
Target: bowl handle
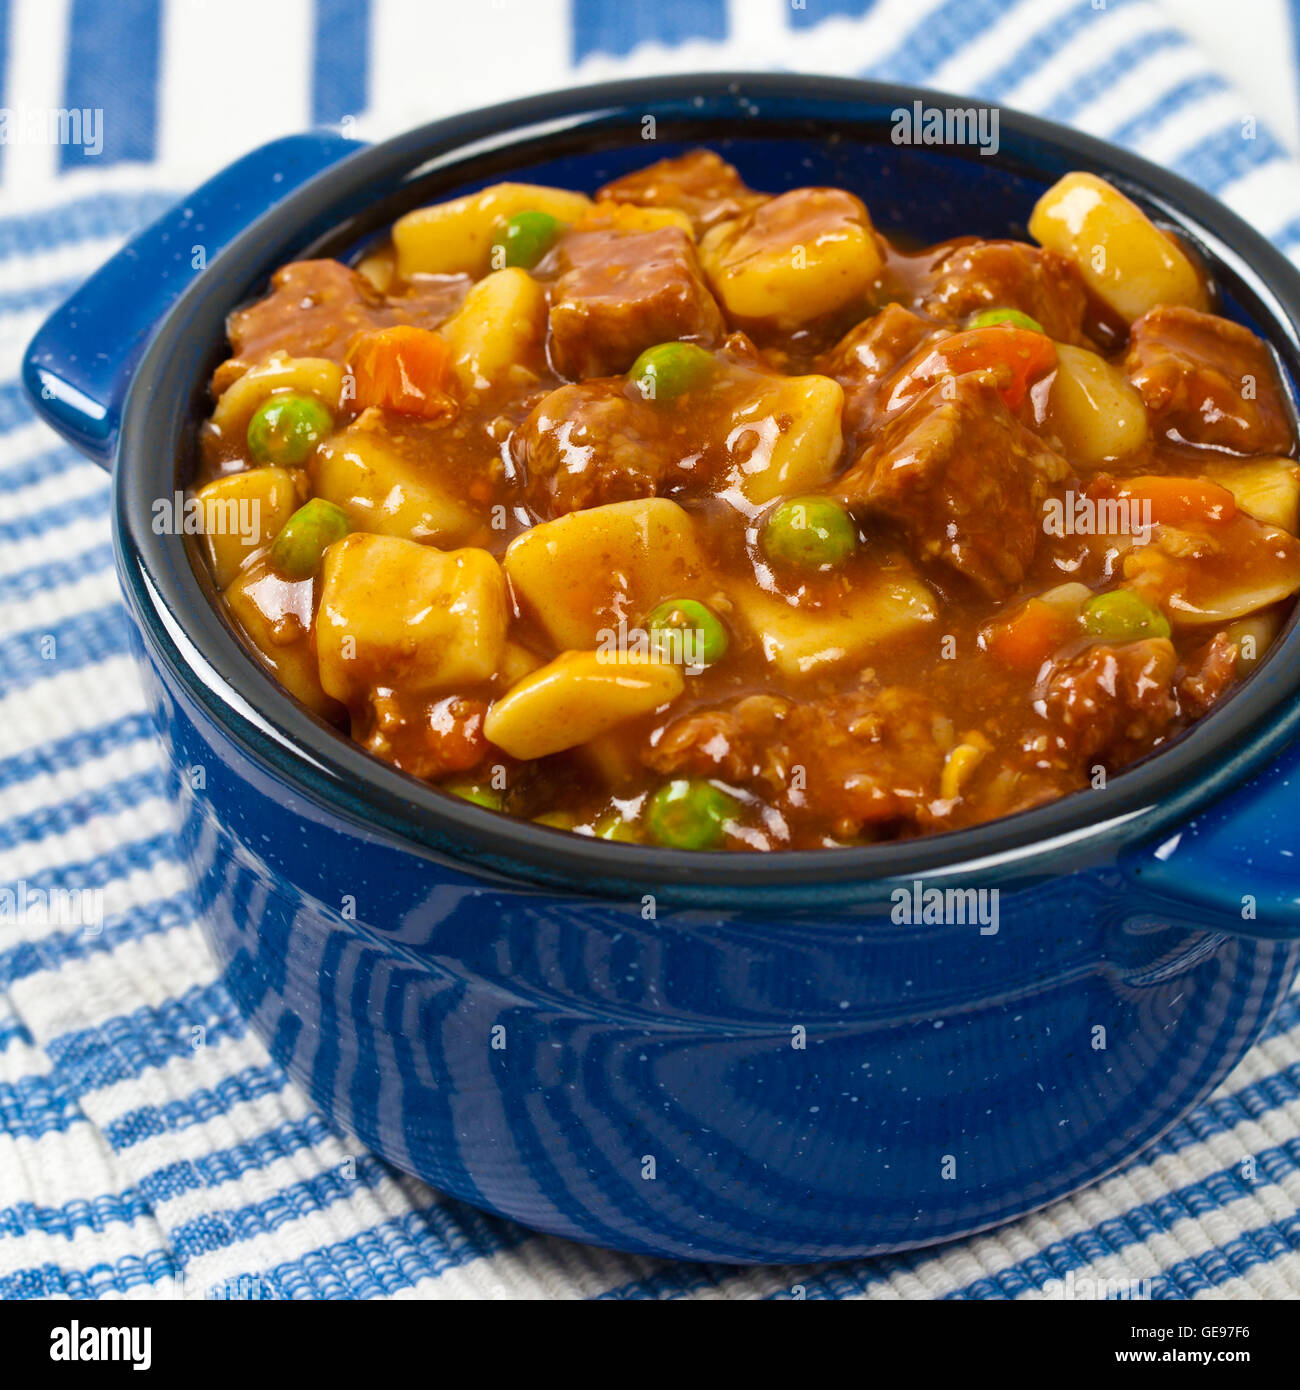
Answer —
79 365
1237 864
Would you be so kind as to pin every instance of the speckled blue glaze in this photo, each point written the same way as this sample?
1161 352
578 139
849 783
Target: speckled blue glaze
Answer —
714 1057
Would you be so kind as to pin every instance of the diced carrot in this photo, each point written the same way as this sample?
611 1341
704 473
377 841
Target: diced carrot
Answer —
1017 356
1173 500
402 368
1029 636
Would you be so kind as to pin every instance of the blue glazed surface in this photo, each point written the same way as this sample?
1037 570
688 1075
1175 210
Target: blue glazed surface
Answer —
806 1086
740 1063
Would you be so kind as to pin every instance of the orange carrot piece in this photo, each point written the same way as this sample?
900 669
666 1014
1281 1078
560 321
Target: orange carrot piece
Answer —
1029 636
1173 500
402 368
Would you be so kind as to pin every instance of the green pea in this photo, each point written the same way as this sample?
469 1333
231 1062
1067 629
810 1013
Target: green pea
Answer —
1014 317
701 638
811 533
689 814
303 540
1121 616
286 428
479 793
616 828
524 239
669 370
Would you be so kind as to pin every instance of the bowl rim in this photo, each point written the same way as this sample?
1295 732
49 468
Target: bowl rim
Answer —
208 660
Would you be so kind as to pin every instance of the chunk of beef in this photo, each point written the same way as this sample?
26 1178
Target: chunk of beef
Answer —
1209 671
1111 703
621 292
963 478
1008 275
700 183
865 358
1208 381
590 443
315 307
866 757
738 742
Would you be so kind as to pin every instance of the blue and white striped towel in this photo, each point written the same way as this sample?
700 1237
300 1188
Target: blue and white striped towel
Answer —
133 1165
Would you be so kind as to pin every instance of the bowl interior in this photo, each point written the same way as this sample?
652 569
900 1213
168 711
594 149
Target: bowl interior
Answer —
781 133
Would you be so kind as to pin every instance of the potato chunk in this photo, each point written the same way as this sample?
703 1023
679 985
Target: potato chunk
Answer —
275 614
242 513
456 237
312 376
793 258
501 325
849 626
576 698
583 572
1094 410
1214 573
787 439
1267 489
386 490
408 617
1124 258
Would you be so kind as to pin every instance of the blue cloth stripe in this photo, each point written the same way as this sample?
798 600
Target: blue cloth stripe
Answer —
1188 1278
1169 104
51 463
1295 41
32 1106
1288 234
84 1214
61 947
804 14
113 55
40 296
34 524
87 218
66 753
1134 1225
122 1048
62 816
341 59
218 1230
394 1255
1226 155
933 40
149 1121
1119 63
51 1281
213 1170
13 1030
1047 41
80 640
5 48
15 409
599 27
25 584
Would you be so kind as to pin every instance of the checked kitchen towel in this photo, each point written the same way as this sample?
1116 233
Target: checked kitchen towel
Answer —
133 1164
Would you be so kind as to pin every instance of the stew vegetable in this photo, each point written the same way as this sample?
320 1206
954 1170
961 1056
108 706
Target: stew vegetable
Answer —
687 515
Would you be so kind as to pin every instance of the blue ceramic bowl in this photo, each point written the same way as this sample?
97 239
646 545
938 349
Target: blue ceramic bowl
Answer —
737 1058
